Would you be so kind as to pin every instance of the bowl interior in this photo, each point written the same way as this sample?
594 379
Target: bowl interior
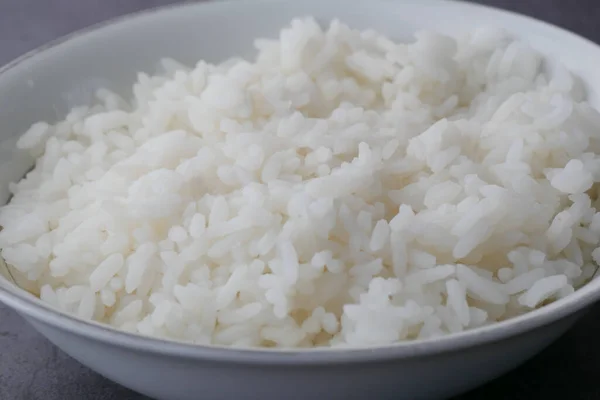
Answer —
45 85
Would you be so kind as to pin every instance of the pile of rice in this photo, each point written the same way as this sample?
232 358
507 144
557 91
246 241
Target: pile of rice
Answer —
341 190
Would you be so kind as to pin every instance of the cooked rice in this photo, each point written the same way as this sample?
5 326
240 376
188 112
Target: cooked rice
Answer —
341 190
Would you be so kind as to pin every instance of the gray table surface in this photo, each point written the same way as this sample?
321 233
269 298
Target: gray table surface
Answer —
33 369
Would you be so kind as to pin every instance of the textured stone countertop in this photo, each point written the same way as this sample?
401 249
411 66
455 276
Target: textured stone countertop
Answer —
33 369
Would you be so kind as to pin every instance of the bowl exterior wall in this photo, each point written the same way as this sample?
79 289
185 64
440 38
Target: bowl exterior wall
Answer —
428 378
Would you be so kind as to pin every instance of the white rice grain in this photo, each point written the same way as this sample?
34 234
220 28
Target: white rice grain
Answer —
542 290
100 277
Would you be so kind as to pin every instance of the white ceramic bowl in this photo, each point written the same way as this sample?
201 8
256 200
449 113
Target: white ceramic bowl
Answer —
44 84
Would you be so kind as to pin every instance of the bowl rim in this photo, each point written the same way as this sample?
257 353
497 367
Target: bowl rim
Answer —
31 307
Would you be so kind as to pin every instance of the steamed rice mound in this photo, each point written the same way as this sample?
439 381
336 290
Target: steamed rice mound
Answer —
341 190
